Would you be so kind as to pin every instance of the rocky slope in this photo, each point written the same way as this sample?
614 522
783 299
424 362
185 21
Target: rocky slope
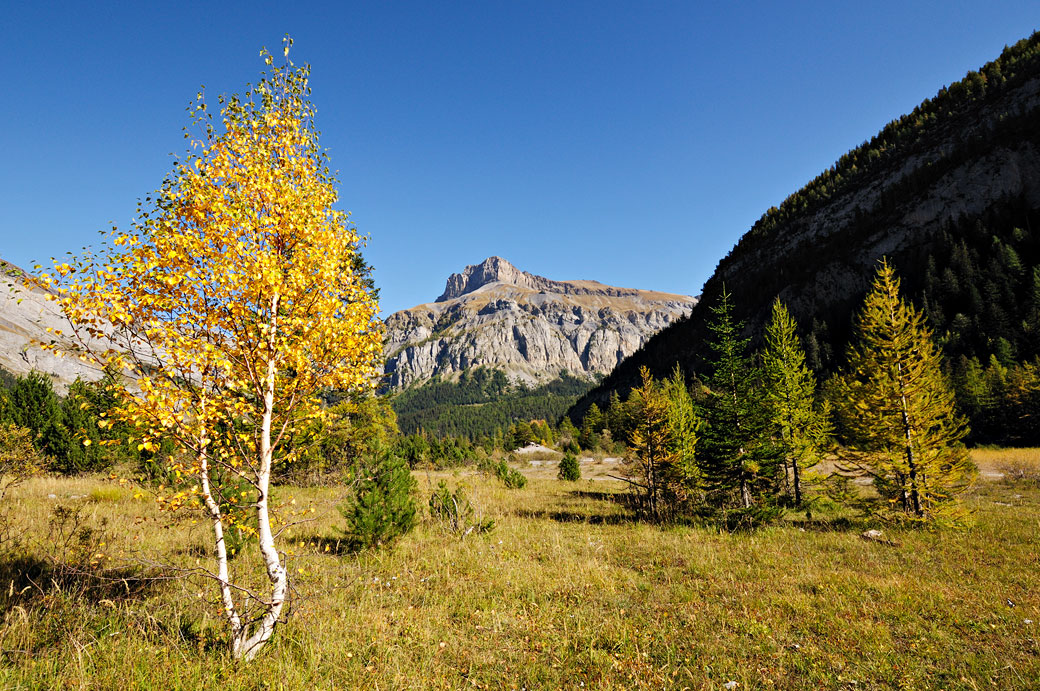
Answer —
25 316
958 177
532 328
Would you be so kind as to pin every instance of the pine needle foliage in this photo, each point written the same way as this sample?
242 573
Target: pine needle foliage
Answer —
569 469
739 461
383 506
799 426
898 408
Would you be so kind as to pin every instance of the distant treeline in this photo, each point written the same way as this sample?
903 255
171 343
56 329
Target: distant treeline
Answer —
483 404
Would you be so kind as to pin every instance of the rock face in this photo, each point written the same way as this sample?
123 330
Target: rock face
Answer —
495 315
25 316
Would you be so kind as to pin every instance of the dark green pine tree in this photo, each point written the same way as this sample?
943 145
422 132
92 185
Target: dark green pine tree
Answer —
740 463
383 506
79 417
32 404
569 469
591 428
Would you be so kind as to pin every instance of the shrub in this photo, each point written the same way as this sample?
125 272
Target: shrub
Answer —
19 460
1020 472
383 507
455 512
511 478
569 468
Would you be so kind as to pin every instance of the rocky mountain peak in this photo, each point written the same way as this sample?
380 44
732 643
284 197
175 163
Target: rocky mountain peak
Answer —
532 328
491 270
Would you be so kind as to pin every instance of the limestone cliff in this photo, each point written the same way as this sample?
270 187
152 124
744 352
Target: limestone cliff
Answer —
495 315
25 316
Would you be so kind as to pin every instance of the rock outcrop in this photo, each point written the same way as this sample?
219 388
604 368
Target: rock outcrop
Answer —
25 316
495 315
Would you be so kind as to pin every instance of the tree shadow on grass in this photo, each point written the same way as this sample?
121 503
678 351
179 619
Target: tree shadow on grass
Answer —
318 544
324 544
32 581
626 499
832 524
627 502
69 564
578 517
48 606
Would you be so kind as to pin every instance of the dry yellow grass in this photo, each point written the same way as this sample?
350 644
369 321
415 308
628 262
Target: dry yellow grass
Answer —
993 462
568 591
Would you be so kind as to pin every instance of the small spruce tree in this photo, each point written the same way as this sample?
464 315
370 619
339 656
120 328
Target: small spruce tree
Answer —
383 506
739 460
569 469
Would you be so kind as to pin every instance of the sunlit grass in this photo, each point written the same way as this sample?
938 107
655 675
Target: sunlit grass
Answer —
566 591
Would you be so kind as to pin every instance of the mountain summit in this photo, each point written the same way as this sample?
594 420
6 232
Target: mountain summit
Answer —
498 270
495 315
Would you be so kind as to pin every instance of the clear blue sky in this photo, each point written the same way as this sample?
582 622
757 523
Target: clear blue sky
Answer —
631 143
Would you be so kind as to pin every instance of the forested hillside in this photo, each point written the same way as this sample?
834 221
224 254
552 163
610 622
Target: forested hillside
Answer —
482 403
950 193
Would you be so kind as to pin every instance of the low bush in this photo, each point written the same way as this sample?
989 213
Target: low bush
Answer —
569 468
455 512
510 477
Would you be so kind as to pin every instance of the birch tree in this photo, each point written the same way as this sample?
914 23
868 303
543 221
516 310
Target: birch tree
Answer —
898 409
236 297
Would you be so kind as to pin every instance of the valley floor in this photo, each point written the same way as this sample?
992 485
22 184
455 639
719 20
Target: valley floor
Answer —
566 591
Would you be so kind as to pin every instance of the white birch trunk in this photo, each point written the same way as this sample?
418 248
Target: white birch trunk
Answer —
226 596
247 644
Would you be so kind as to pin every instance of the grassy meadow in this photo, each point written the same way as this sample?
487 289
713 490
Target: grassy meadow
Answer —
566 592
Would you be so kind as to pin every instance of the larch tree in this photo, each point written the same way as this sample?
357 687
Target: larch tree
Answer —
237 296
684 476
799 427
650 445
898 408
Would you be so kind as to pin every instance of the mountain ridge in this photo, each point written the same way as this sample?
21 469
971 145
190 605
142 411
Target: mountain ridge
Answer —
495 269
960 168
494 315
